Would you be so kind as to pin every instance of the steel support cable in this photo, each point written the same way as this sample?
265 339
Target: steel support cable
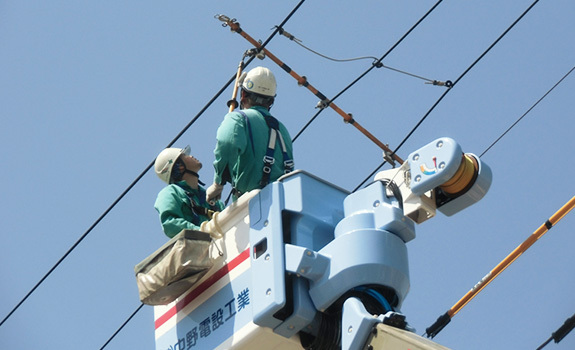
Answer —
444 319
447 91
233 78
372 66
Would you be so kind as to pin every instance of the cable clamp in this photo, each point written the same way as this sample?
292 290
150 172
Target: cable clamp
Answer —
227 22
388 157
323 104
286 34
447 84
255 52
225 19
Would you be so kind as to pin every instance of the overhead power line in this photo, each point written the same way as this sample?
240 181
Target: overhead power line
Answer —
448 90
123 325
302 80
501 136
370 68
529 110
560 333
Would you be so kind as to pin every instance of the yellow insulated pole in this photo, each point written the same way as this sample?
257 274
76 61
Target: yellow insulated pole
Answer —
444 319
235 27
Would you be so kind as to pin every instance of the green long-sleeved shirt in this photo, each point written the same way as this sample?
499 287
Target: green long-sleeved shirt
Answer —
175 208
236 161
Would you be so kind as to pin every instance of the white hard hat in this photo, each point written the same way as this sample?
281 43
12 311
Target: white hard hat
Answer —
165 162
260 80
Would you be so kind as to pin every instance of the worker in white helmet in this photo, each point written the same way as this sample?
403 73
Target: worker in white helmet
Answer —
253 148
182 204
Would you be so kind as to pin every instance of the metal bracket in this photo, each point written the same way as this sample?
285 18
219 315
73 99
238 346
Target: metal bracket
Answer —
388 157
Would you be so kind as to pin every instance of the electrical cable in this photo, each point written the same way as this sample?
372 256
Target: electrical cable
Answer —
370 68
447 91
545 344
138 178
122 326
529 110
560 333
499 138
375 61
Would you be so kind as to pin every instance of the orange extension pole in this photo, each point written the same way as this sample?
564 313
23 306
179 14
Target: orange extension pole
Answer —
302 81
444 319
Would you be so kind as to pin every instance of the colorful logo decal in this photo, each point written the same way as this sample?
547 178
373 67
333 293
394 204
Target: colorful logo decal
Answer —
249 84
429 171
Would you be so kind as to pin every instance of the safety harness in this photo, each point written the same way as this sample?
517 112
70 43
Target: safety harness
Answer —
198 208
269 159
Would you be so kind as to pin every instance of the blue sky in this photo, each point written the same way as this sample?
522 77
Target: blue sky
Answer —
91 91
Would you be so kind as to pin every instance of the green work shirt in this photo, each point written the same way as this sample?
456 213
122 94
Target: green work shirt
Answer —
175 208
239 161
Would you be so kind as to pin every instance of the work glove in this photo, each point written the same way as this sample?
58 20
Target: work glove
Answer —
214 193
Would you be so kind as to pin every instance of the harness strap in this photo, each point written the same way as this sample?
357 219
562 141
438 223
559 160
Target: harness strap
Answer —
269 159
197 208
209 213
288 162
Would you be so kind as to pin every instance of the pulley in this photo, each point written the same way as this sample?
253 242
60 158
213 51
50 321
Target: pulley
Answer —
463 178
